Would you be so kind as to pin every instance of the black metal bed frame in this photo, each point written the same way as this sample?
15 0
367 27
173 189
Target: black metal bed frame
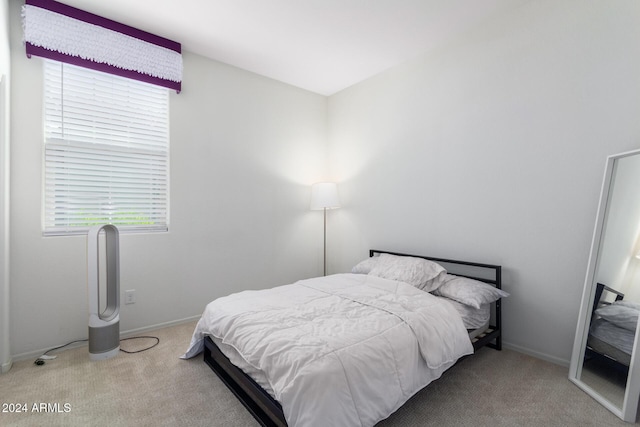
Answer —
268 412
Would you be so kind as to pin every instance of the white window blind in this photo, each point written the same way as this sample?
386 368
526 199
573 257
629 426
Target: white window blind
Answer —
106 152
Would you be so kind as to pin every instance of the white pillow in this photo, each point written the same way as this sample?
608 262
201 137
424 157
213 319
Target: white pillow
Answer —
621 313
468 291
365 266
418 272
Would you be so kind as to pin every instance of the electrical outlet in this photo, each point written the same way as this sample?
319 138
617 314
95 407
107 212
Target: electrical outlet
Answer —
130 296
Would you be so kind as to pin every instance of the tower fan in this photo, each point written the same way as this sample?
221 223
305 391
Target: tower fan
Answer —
104 327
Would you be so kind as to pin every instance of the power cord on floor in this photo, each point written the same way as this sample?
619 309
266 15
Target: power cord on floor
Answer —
144 349
41 360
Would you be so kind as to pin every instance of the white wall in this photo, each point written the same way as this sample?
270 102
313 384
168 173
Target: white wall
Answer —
5 353
244 152
493 149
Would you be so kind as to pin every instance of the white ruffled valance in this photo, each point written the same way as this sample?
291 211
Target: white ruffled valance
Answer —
50 32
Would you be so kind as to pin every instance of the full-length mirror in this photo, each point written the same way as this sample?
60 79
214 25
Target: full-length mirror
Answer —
604 362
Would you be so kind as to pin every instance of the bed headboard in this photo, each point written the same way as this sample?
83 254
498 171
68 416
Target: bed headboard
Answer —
601 289
488 273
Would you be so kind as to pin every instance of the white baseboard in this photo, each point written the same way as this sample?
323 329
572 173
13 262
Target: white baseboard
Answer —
536 354
123 334
130 332
6 366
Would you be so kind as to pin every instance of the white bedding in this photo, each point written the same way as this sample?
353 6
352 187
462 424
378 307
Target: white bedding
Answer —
345 349
613 335
472 318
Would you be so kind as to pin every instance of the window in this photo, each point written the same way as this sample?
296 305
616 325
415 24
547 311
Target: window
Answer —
106 154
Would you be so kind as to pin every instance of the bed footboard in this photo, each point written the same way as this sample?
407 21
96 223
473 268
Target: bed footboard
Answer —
258 402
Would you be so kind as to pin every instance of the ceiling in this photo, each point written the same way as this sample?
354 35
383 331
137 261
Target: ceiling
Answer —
323 46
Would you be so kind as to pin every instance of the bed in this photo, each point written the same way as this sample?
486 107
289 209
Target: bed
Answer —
612 329
353 347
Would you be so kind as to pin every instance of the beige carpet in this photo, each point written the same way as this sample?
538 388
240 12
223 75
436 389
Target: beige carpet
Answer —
156 388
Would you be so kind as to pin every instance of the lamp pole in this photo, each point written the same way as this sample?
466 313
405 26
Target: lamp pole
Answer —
325 241
324 195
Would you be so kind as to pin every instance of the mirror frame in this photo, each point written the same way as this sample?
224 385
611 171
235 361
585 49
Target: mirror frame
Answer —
629 408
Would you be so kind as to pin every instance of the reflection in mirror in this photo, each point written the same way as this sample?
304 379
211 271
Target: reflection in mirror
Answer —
603 356
609 345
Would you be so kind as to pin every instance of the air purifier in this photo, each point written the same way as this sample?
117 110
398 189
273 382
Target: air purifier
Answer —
104 326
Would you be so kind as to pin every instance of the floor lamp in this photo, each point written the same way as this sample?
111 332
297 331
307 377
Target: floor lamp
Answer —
324 195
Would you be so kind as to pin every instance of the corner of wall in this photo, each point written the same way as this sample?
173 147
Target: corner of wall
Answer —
5 353
6 366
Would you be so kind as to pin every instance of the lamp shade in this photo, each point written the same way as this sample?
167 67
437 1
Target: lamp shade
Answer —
324 195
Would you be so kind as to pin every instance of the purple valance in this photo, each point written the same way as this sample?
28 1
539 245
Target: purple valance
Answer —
57 31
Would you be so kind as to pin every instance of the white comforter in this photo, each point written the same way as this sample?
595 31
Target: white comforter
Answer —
334 348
